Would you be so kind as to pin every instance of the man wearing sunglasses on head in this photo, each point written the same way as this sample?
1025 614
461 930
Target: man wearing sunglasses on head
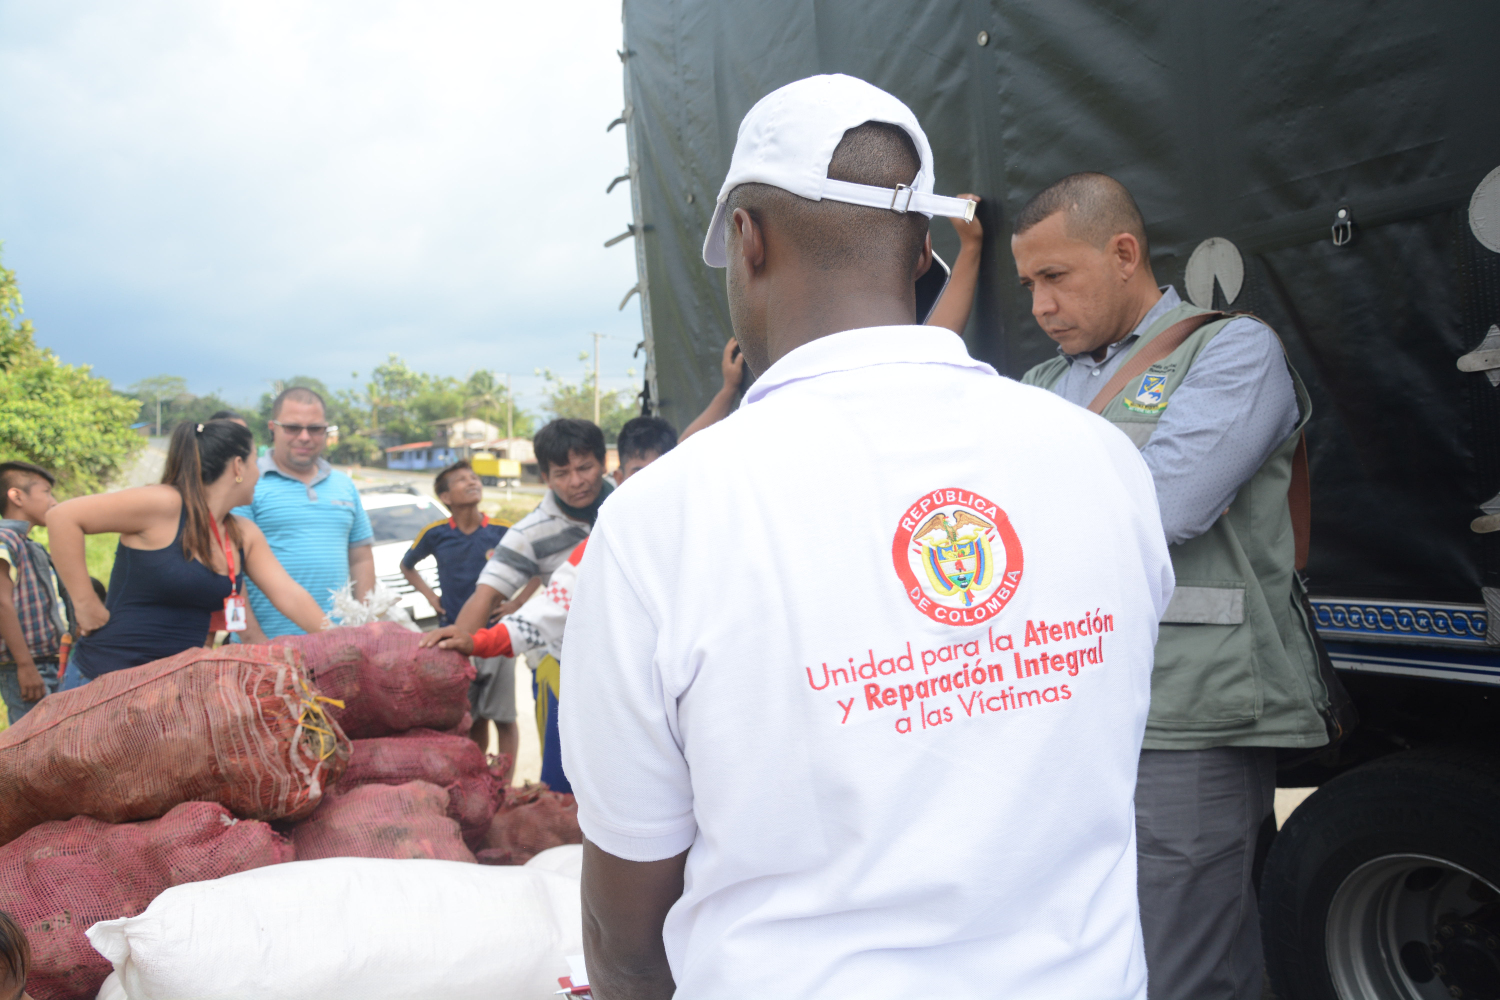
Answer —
310 513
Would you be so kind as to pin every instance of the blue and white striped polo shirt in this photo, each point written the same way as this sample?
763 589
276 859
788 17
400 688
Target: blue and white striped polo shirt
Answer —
311 528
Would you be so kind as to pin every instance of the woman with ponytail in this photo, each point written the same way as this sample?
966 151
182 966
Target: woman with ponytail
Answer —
182 555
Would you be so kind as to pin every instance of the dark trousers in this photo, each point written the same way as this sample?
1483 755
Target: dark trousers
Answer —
1198 814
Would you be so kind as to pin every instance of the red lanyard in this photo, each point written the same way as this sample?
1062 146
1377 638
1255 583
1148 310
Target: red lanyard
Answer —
228 556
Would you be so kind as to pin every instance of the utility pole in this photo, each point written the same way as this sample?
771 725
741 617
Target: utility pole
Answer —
596 378
158 412
510 433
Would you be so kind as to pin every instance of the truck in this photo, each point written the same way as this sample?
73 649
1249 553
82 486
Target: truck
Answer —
1332 168
493 471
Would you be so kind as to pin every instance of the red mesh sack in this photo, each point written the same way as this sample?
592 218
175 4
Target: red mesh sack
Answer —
529 821
382 821
453 763
58 879
503 768
239 726
388 684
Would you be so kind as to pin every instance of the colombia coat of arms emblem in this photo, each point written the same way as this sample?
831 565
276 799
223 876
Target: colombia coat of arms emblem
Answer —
958 556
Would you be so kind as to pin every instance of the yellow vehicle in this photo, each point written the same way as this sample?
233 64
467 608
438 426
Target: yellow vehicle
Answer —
494 471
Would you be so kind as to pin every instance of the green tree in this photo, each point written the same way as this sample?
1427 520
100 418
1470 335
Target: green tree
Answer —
576 400
403 402
390 392
157 389
439 398
485 397
59 416
177 405
200 408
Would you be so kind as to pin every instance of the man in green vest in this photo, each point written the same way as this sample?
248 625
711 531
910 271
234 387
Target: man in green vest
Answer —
1217 418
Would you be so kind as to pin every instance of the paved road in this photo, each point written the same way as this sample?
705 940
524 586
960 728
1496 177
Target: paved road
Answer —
146 467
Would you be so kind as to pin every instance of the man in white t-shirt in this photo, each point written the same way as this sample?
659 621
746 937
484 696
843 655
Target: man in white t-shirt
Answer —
858 677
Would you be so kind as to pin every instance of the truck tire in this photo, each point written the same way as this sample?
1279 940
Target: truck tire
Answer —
1385 883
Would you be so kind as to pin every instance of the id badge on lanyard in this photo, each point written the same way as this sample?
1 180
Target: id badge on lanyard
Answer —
236 619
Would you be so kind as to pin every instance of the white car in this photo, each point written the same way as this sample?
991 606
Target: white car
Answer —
398 514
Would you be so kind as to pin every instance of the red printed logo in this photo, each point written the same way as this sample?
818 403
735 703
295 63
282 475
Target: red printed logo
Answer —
957 556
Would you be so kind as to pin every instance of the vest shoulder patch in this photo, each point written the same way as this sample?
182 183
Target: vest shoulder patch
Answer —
1150 395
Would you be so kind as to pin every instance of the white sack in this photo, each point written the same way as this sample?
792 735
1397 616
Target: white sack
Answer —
355 928
565 860
112 990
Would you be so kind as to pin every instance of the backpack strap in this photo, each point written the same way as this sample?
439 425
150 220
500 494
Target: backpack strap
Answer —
1299 491
1299 502
1150 353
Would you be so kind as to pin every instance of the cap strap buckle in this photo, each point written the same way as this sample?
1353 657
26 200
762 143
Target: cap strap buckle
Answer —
903 198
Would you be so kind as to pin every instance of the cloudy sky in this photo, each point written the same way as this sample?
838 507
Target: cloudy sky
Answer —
245 190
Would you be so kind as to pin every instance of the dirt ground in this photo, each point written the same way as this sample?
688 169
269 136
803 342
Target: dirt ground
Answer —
1288 799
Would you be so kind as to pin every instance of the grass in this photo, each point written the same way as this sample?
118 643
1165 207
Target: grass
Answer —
98 552
512 510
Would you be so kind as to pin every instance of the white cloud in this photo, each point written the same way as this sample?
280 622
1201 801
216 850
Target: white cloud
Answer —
244 190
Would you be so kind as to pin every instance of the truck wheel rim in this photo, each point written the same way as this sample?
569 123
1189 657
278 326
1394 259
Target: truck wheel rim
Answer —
1414 927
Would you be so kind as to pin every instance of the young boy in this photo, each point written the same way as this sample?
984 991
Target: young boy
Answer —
33 617
462 545
15 959
539 624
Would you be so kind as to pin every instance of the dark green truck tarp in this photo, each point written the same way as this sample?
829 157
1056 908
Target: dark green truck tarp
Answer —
1252 122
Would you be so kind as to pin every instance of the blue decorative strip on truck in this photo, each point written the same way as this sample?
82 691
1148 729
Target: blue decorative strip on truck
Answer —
1424 623
1465 666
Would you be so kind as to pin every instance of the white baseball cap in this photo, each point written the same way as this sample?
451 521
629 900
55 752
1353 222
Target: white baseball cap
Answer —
788 138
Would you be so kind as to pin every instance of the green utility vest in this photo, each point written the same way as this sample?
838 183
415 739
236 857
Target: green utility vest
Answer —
1235 661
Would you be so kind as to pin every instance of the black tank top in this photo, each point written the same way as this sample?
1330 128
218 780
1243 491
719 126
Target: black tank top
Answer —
159 604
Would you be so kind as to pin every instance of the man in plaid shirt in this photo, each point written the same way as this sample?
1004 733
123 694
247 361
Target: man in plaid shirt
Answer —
540 621
33 618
